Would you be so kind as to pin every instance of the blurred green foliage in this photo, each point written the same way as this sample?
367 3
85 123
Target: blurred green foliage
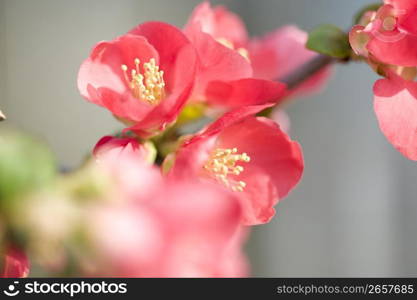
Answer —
25 165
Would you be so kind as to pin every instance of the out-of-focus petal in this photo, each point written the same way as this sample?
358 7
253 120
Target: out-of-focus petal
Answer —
219 22
119 74
280 53
395 104
101 80
407 14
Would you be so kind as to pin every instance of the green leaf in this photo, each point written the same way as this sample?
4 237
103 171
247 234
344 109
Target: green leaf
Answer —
25 165
329 40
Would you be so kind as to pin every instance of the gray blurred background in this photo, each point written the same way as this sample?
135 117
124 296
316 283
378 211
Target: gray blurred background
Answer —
354 213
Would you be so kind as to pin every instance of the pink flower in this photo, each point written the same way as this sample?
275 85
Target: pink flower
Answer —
175 228
144 77
151 226
16 264
225 74
395 105
387 39
249 155
130 173
389 34
263 60
220 23
280 53
243 92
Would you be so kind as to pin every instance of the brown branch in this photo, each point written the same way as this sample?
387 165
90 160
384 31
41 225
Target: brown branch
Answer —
306 70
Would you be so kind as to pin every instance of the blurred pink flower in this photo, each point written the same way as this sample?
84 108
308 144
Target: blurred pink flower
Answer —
249 155
16 264
262 59
185 229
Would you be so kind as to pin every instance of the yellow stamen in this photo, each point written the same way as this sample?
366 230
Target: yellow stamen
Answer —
222 163
149 86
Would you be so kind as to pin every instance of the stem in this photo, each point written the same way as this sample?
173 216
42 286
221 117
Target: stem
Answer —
2 116
306 70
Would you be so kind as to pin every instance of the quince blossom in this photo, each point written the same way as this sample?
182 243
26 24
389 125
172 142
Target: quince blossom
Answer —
248 155
168 228
144 77
387 39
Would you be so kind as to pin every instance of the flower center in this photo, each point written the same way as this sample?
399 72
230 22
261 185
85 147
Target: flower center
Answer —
229 44
149 86
389 23
222 163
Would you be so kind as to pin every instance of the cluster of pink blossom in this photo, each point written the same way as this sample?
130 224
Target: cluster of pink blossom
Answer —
189 214
15 264
386 38
192 218
205 151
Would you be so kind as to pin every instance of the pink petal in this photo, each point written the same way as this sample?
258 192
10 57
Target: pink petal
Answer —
275 167
409 23
101 80
407 14
178 60
395 48
395 104
388 44
244 92
217 62
280 117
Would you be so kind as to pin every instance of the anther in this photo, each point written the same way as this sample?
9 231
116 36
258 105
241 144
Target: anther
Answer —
223 163
149 86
